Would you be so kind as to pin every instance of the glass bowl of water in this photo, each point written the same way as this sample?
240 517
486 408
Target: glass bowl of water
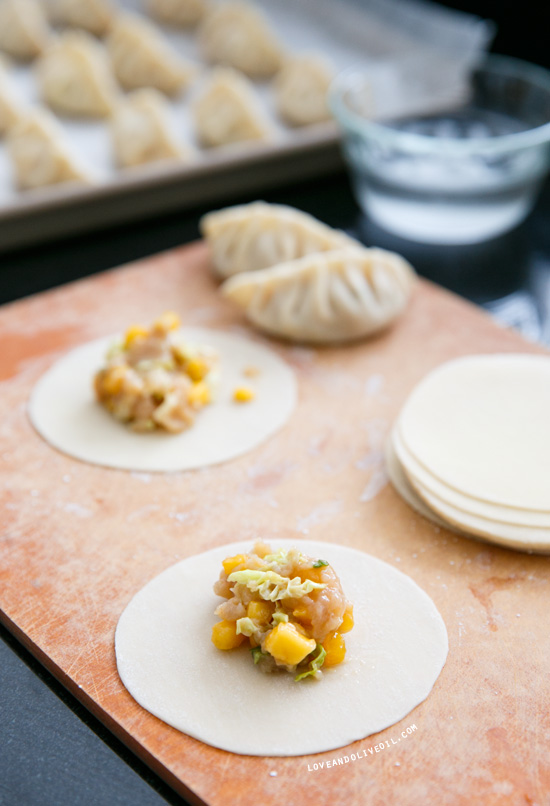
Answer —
460 176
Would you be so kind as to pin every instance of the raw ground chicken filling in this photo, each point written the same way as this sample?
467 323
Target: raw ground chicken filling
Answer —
152 380
289 608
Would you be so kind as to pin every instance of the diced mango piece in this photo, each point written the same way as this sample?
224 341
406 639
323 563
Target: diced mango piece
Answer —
335 647
224 635
286 644
232 562
199 394
314 574
134 332
168 321
348 622
113 381
180 353
243 394
196 369
261 611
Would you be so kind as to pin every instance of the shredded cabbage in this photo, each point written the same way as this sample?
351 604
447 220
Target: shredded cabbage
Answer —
272 586
315 664
281 557
245 626
279 617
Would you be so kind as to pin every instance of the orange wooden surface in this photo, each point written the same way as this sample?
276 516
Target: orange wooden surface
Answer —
78 541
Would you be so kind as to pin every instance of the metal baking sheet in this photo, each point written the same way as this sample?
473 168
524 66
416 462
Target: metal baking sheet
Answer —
350 33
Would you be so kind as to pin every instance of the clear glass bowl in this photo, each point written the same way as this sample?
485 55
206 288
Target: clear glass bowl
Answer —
461 176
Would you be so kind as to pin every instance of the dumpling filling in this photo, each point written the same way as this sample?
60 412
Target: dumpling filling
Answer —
290 608
152 380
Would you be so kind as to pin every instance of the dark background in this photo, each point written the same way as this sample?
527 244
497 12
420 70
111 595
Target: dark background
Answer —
523 27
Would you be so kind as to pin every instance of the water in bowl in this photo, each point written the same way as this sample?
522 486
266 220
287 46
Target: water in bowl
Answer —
448 197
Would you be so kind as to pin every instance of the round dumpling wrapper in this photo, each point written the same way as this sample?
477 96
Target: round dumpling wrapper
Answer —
480 425
168 663
523 538
457 500
402 485
64 411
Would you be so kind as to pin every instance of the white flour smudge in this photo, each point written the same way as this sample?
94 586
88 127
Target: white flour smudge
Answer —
78 510
374 385
139 513
182 517
317 442
145 478
372 460
376 483
321 513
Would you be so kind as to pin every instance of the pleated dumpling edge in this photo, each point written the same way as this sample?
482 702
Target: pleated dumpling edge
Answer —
325 298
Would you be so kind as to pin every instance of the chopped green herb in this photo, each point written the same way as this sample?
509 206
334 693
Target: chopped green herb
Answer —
315 664
319 563
257 654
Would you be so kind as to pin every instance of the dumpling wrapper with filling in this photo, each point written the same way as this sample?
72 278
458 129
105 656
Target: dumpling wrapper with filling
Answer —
94 16
237 35
325 298
228 111
301 88
183 13
168 663
142 57
24 31
248 237
10 109
40 154
142 132
75 77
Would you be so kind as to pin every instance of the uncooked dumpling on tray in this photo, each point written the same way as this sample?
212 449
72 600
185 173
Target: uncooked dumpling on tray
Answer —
301 88
183 13
325 298
228 111
142 57
10 109
40 155
237 35
76 78
255 236
24 31
142 130
94 16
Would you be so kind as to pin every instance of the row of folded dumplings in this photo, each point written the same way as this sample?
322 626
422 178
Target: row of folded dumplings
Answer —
119 66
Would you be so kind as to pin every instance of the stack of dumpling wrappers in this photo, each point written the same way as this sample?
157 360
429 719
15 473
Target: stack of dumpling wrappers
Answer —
301 280
471 449
94 60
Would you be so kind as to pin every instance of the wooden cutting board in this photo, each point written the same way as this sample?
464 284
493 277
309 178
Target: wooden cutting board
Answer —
77 542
